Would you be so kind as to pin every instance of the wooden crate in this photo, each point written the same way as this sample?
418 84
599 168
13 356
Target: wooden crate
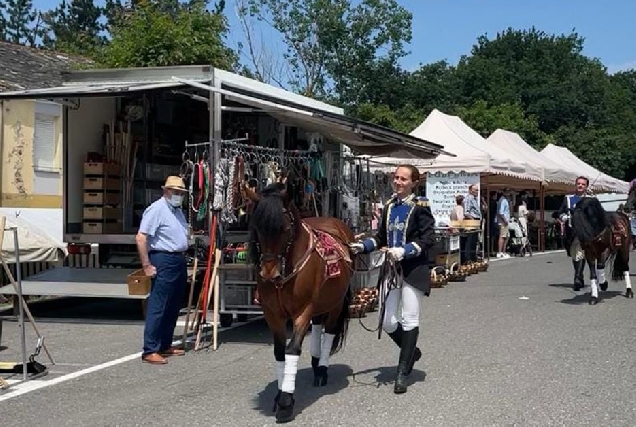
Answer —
100 212
100 227
102 183
138 283
108 169
447 259
101 198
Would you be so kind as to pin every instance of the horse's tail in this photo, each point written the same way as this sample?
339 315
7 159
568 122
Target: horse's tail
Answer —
342 324
618 262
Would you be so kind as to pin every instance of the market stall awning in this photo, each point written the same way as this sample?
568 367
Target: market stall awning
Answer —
77 90
557 176
598 180
474 154
364 137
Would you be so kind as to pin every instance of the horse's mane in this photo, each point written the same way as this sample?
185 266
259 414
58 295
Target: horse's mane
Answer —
589 219
267 217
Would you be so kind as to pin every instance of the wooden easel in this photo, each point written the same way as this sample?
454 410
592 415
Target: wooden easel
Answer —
3 222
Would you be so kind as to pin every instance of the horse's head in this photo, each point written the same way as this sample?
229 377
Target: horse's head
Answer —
589 219
274 221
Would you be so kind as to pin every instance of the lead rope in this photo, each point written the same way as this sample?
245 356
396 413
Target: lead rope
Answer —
389 279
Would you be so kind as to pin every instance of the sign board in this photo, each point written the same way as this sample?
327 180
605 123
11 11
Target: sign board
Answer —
441 190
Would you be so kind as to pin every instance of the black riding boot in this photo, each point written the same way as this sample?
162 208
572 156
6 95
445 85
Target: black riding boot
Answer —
397 339
407 359
579 267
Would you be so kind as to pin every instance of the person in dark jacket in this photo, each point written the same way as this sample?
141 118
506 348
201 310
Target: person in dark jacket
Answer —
572 245
407 232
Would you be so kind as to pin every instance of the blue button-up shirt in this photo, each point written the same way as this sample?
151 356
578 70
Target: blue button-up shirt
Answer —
503 209
166 227
471 207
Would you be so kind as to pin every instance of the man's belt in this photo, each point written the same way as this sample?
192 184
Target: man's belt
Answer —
154 251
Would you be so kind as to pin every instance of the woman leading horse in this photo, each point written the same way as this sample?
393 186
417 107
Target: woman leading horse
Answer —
304 272
406 230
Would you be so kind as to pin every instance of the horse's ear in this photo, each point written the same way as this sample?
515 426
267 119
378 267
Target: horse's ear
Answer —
251 194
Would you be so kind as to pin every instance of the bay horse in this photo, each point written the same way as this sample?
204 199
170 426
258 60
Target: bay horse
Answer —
602 235
304 272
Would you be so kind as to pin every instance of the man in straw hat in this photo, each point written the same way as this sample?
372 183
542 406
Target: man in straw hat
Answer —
162 242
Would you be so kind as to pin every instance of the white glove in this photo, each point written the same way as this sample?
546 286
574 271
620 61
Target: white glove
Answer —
356 247
565 217
396 253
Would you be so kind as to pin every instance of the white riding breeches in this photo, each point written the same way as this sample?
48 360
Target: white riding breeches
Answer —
402 306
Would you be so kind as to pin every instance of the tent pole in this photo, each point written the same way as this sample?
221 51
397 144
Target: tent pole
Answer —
542 219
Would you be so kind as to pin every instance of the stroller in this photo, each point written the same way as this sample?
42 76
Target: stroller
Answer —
518 243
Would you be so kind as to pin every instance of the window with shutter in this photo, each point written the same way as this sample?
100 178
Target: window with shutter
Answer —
44 143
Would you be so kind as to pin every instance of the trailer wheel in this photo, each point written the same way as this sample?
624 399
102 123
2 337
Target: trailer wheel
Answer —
226 320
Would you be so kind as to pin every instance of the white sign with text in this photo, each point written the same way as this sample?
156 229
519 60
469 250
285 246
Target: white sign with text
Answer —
443 188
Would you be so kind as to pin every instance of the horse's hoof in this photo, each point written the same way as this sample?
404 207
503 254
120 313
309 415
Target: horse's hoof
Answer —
320 376
604 286
593 300
276 399
629 293
285 408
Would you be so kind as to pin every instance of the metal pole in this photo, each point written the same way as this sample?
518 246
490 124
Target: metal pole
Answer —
18 275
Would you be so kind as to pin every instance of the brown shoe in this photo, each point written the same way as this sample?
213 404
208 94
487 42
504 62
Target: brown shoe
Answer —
172 351
154 359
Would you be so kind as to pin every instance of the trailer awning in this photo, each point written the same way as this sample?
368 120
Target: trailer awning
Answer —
76 90
367 138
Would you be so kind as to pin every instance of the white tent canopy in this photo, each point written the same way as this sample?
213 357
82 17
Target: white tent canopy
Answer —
598 179
34 244
474 154
514 145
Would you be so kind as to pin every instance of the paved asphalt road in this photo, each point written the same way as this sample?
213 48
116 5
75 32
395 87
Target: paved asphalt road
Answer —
490 358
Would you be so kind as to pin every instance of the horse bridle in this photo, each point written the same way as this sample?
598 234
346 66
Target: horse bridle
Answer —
282 257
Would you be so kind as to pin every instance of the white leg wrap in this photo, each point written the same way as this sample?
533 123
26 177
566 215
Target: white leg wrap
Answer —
594 286
628 280
600 273
289 377
327 341
314 340
280 372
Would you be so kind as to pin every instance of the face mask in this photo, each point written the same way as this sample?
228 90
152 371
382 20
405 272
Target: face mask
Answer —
176 200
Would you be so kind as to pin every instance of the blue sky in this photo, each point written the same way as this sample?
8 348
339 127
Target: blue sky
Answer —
448 29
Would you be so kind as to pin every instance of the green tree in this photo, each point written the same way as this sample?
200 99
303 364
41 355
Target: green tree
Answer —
403 119
485 119
74 27
3 21
571 96
146 35
333 46
432 86
20 17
